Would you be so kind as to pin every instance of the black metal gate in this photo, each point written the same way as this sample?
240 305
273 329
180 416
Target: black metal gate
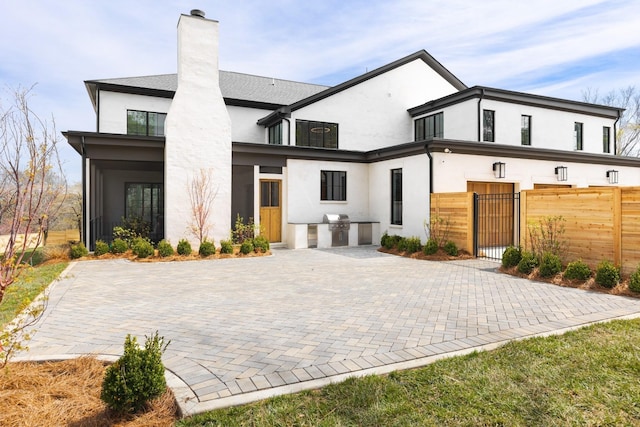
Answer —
496 224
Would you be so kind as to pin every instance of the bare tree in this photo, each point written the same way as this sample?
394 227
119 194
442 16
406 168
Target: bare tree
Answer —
628 128
32 184
201 195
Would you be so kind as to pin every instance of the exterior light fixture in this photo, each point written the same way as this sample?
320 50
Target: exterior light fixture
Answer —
612 175
499 169
561 173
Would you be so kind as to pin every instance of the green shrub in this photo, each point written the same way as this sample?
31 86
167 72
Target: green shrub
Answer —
260 243
577 270
119 246
607 274
206 248
527 263
384 240
78 251
184 247
226 247
450 248
550 264
413 244
136 377
511 257
164 248
141 247
402 244
246 247
431 247
102 248
634 280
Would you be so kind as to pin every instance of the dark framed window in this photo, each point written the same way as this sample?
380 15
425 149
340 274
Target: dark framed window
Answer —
525 130
429 127
316 134
396 196
275 134
333 185
144 202
606 139
577 136
145 123
488 125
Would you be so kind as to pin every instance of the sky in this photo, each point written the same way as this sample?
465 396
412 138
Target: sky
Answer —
556 48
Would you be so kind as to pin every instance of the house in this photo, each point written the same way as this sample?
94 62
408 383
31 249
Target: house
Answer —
287 153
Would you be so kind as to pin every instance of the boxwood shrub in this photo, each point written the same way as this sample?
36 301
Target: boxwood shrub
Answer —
141 247
119 246
101 248
207 248
577 270
226 247
527 263
451 248
634 280
78 251
431 247
260 243
511 257
246 247
184 247
607 274
550 265
164 248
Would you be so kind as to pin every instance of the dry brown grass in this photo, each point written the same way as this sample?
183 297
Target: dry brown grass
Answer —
67 393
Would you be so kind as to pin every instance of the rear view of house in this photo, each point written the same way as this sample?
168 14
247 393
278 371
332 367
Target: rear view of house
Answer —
290 154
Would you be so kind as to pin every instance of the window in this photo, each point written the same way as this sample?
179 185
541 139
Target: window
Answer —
429 127
577 135
488 125
145 202
275 134
396 196
333 185
525 130
316 134
606 139
145 123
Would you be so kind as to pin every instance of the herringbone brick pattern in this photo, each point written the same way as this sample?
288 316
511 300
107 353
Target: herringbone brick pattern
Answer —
239 326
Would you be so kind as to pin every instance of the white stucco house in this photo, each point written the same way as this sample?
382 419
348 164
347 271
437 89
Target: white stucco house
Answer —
287 153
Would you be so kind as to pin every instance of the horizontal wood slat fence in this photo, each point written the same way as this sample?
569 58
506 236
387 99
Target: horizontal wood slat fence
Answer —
600 222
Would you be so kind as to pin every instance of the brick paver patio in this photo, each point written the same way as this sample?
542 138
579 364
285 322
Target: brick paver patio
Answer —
246 329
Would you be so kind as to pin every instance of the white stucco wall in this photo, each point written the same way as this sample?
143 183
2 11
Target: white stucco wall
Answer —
373 114
453 171
244 127
114 106
303 191
551 129
198 132
415 195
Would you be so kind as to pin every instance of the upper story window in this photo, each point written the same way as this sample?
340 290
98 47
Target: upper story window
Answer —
577 136
316 134
145 123
333 185
429 127
606 139
488 125
275 134
525 130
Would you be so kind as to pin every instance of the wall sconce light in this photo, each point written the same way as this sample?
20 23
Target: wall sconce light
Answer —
499 169
561 173
612 175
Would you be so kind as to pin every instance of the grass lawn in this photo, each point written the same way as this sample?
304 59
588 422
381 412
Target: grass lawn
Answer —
586 377
30 283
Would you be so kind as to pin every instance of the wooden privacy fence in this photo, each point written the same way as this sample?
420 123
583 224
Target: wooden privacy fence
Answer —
599 222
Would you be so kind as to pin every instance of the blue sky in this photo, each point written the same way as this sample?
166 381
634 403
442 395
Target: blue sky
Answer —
547 47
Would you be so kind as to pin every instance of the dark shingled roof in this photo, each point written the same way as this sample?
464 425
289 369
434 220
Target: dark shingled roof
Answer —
238 86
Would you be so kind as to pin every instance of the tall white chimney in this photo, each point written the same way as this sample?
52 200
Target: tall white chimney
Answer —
198 132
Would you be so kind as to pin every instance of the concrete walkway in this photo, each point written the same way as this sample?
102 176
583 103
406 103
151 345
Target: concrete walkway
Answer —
246 329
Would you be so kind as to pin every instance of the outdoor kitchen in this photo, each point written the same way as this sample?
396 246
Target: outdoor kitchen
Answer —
335 230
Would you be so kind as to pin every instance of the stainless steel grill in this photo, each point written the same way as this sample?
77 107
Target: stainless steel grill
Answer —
339 225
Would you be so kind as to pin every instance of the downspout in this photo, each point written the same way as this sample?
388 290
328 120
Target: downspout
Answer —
288 130
83 237
97 108
430 172
615 134
480 115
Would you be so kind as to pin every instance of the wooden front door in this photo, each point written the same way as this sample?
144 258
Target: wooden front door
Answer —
495 213
271 209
